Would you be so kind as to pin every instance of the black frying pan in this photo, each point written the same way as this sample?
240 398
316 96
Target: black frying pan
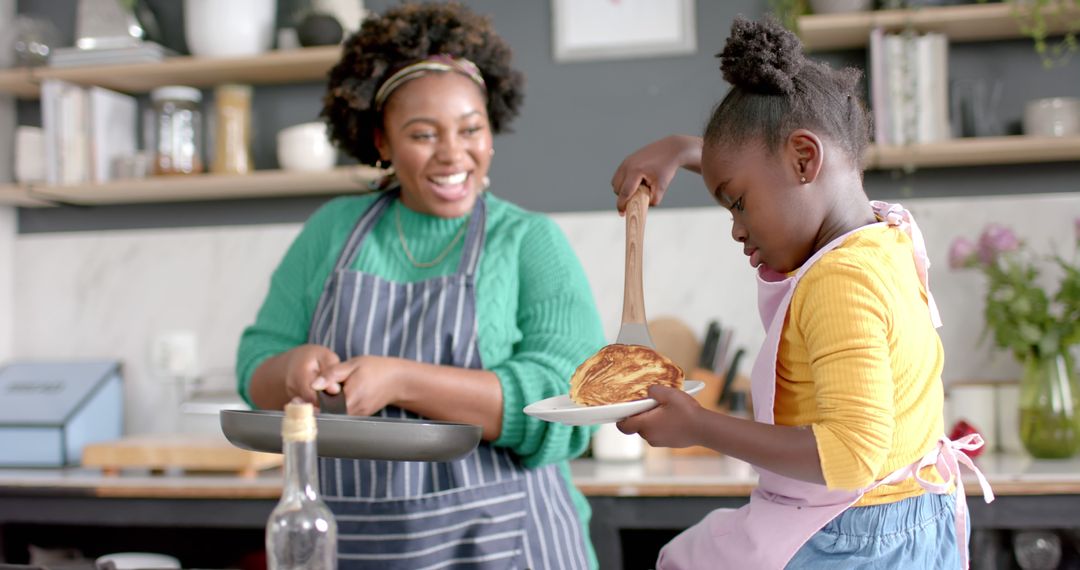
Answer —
355 437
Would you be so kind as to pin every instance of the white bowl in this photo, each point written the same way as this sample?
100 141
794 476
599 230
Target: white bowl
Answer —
143 560
1052 117
840 6
232 28
306 148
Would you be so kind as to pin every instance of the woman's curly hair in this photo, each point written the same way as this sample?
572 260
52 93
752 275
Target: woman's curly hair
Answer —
776 89
401 36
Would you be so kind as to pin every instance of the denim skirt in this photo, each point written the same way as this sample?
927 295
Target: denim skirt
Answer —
917 533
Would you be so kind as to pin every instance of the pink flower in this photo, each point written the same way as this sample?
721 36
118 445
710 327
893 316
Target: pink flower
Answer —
961 253
995 240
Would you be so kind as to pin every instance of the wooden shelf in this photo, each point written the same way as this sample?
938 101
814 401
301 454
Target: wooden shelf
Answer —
289 66
261 184
19 82
274 67
352 179
975 151
964 23
15 195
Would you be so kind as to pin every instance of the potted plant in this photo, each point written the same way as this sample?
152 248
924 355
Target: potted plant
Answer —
1034 18
1039 328
788 12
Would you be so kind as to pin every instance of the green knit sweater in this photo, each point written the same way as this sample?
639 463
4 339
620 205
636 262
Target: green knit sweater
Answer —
536 317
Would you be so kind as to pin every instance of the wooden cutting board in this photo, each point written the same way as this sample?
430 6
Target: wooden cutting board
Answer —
676 340
188 452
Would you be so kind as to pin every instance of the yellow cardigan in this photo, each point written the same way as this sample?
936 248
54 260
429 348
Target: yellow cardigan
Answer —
860 361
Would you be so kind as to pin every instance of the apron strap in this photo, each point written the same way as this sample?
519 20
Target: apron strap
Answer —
895 215
470 254
947 457
348 253
474 239
363 227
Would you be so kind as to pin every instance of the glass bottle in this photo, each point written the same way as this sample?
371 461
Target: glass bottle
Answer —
1050 406
301 532
232 138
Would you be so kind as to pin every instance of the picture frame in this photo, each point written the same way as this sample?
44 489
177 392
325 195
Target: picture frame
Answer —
589 30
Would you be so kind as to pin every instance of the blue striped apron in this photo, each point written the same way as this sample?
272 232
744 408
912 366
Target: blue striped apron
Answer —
482 511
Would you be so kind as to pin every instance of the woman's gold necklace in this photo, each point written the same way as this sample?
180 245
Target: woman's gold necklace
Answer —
438 259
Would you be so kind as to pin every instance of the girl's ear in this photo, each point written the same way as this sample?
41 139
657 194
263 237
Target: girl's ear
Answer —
804 153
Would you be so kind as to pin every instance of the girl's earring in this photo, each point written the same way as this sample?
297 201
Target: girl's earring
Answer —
487 183
802 180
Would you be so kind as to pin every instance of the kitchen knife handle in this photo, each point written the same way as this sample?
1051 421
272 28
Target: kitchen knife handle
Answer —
633 293
332 403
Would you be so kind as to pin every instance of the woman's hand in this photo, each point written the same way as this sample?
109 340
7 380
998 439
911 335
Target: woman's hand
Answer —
370 382
303 366
673 423
654 165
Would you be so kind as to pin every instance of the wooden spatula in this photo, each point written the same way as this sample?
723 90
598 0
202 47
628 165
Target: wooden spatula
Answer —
635 329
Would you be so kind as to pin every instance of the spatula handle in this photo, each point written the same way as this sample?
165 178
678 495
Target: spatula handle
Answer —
633 310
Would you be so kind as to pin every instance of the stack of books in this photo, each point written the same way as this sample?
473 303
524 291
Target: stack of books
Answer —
909 87
144 52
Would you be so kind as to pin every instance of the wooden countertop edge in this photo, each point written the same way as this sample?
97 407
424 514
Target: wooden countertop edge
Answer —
272 491
666 490
168 492
971 487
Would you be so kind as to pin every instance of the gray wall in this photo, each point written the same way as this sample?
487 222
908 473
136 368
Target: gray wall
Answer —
581 119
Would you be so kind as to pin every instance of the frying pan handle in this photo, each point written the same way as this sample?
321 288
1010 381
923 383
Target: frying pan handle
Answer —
332 403
633 295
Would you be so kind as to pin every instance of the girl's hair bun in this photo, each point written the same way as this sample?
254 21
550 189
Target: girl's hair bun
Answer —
761 57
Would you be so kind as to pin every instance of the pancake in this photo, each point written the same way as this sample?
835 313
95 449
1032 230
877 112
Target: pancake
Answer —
622 373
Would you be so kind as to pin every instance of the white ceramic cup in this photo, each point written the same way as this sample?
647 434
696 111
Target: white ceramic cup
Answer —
141 560
975 404
1008 418
1052 117
610 444
29 154
235 28
306 148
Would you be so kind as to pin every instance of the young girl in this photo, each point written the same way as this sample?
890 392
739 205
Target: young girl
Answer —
848 440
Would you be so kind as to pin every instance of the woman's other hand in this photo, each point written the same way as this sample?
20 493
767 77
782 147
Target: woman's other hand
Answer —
673 423
654 165
370 383
303 367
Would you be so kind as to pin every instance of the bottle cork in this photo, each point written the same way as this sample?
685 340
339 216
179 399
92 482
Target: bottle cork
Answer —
299 422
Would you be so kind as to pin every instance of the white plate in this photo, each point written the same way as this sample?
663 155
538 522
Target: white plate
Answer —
563 410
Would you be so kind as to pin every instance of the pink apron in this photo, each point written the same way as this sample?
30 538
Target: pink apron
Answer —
783 513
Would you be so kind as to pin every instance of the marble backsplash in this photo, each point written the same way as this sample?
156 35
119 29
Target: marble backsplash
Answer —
7 281
109 294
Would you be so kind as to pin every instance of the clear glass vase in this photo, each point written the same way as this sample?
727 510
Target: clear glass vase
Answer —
1050 406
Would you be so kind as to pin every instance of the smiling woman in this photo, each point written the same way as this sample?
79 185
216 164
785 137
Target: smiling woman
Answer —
433 298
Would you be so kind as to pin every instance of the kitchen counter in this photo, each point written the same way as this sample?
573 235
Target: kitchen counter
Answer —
633 502
657 476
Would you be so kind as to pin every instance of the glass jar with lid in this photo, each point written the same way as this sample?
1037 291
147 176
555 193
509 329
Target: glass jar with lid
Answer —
178 133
